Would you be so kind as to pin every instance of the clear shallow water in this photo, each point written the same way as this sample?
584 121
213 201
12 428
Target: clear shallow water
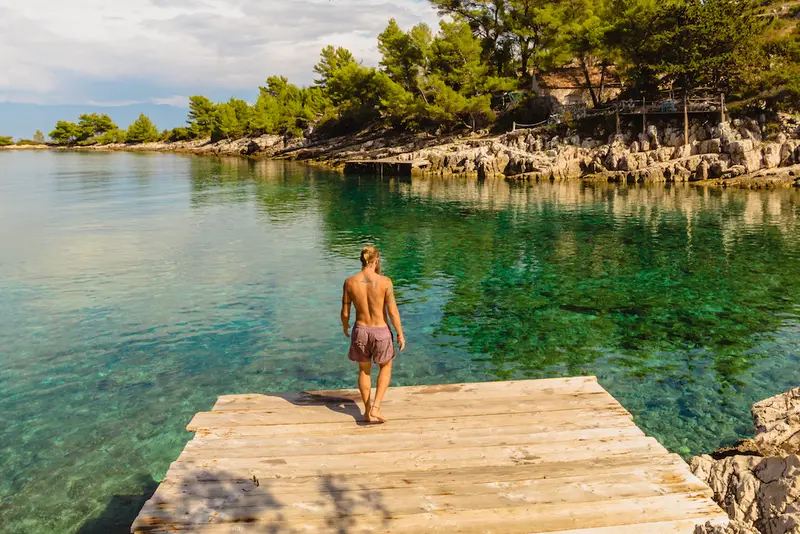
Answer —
135 288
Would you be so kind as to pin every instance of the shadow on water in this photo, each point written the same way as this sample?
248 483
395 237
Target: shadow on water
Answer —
121 510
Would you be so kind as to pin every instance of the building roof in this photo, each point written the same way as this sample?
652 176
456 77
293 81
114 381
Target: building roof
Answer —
572 77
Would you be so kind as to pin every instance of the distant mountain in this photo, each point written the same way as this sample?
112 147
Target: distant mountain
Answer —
22 120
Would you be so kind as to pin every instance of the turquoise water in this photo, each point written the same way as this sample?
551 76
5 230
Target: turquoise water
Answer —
135 288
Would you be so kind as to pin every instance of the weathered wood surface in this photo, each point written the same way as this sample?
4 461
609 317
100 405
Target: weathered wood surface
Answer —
556 455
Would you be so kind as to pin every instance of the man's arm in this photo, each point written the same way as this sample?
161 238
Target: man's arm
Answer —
394 314
345 315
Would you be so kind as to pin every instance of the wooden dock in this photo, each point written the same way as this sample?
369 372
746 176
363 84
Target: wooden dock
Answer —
386 167
556 455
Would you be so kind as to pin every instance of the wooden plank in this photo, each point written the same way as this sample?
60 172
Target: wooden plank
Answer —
381 462
427 394
558 455
526 518
263 504
330 414
355 444
211 483
543 422
621 465
600 485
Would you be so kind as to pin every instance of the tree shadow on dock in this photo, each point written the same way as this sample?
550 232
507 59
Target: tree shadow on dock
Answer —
121 510
328 503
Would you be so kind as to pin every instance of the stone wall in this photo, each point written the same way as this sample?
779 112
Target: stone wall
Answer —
657 155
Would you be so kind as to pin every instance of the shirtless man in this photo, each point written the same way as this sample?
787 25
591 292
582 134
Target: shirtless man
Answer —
373 297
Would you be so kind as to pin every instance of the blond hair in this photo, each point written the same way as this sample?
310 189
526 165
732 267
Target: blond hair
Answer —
371 254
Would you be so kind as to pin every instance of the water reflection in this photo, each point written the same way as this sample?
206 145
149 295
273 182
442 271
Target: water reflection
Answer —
135 288
661 290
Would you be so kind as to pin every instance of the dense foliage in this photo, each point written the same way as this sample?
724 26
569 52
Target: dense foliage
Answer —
450 79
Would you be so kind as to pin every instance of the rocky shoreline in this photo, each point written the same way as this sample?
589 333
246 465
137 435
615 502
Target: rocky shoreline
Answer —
733 154
758 482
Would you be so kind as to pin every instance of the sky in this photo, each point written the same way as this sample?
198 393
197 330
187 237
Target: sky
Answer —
115 52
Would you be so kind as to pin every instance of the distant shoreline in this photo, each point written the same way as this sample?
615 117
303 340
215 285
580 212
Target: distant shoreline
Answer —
27 147
466 156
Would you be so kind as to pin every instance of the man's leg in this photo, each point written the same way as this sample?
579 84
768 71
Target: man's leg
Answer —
384 377
365 385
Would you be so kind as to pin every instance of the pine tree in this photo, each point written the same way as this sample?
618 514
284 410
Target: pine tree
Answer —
201 116
65 133
142 131
331 60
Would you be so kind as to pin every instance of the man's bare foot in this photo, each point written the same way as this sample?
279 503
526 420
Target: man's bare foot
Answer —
367 408
375 413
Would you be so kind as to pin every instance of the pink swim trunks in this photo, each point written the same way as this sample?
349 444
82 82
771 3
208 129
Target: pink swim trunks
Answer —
374 343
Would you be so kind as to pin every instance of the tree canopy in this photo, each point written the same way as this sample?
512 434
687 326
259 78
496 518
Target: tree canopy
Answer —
142 130
452 78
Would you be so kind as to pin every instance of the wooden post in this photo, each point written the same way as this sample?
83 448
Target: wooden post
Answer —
514 126
685 118
722 107
616 112
644 115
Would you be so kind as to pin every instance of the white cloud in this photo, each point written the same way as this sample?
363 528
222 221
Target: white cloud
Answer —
162 50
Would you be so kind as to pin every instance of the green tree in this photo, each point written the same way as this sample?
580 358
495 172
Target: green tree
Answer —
93 125
488 20
284 108
331 60
142 130
201 116
404 55
6 140
65 133
686 44
179 134
115 136
775 84
586 24
244 114
226 124
265 114
39 137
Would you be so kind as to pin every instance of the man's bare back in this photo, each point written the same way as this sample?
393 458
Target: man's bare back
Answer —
373 297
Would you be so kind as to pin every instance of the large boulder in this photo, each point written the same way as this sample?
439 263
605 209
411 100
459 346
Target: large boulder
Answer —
734 527
703 171
744 153
758 482
652 135
710 146
772 155
787 153
616 153
777 423
763 493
